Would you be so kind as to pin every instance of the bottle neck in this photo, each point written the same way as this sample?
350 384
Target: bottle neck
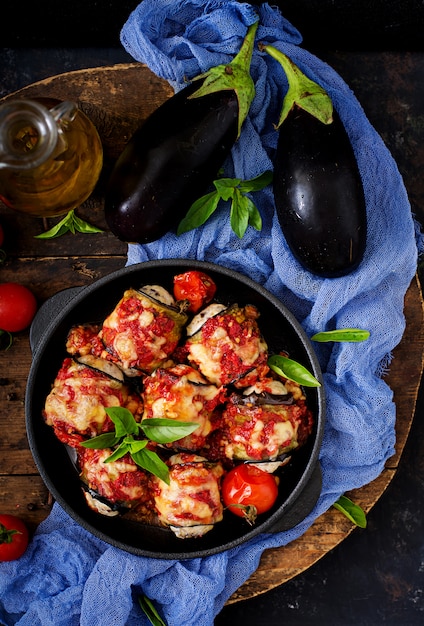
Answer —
28 134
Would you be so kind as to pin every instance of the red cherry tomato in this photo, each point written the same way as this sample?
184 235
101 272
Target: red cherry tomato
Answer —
249 486
17 307
196 287
13 537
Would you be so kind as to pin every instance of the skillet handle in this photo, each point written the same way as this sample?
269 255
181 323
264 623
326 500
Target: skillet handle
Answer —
302 506
47 313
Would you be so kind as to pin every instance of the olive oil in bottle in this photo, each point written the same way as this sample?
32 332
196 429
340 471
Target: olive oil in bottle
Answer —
51 156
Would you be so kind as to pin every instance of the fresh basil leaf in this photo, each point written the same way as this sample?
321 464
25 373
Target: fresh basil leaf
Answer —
135 445
163 430
151 462
70 223
342 334
243 212
292 370
123 449
239 214
199 212
255 219
84 227
123 419
59 229
226 187
352 511
106 440
150 612
256 184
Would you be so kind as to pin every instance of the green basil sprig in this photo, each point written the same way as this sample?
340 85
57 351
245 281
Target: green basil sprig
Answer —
150 612
70 223
243 211
352 511
126 439
342 334
292 370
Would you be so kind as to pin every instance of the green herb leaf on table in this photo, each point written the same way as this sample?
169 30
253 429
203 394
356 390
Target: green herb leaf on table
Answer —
352 511
243 211
131 437
150 612
342 334
70 223
292 370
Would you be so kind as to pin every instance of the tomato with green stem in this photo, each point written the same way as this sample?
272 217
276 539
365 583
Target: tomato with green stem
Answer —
248 491
196 287
13 537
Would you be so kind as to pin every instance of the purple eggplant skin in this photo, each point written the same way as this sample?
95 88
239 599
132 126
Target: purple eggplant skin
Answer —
319 195
169 163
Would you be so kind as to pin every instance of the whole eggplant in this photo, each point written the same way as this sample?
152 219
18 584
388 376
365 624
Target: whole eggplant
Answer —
176 154
318 191
318 194
169 162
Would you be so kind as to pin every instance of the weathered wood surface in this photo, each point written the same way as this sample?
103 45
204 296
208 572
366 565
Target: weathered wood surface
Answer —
117 99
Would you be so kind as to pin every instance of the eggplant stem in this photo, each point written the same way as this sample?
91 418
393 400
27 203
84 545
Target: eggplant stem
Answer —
302 91
234 75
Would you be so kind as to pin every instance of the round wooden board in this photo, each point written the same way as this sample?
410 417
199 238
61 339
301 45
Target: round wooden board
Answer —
117 98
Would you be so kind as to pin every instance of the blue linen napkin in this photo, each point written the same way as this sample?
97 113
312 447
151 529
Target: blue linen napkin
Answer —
68 577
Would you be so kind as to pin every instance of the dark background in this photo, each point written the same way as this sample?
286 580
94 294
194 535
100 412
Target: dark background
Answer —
324 24
376 576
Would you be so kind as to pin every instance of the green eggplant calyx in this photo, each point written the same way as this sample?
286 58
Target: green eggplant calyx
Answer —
235 76
302 92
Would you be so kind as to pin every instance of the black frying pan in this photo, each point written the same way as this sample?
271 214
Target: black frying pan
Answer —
300 486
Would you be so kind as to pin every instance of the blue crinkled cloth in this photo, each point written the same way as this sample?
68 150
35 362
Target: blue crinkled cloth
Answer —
67 577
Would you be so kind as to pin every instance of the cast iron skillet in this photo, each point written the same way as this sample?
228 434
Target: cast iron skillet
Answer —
301 485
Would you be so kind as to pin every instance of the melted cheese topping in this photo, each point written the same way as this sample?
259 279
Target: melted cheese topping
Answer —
120 480
223 358
180 393
140 333
193 495
79 396
259 433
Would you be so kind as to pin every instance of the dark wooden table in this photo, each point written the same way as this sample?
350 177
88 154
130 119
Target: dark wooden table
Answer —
373 576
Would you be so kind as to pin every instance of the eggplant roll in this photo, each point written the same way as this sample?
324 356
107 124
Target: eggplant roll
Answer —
110 487
75 407
229 347
181 393
262 425
191 504
141 332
